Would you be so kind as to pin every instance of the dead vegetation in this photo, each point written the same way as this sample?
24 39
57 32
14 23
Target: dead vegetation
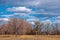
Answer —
30 37
18 26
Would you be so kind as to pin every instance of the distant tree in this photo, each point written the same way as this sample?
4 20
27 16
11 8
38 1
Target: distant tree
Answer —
52 30
38 27
47 28
25 28
57 29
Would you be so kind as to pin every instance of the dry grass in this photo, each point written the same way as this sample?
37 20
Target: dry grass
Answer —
30 37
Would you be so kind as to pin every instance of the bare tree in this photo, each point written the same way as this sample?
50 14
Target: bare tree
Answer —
16 26
38 27
53 30
25 27
47 28
57 29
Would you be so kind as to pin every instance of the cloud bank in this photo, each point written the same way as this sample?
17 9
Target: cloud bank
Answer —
31 10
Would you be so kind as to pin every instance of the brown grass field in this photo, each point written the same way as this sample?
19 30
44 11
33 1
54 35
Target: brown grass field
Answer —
30 37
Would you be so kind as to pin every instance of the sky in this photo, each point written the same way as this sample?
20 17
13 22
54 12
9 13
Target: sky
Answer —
31 10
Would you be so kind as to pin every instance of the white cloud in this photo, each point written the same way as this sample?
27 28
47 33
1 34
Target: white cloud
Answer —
4 19
19 9
47 21
25 15
7 15
32 19
31 23
58 21
34 3
21 14
58 16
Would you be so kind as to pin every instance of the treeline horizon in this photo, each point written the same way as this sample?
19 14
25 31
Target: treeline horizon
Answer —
18 26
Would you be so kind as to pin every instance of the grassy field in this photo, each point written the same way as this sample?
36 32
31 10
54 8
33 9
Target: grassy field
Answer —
30 37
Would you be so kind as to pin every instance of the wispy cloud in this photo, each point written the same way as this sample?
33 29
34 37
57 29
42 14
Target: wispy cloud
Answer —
47 21
58 21
19 9
58 16
4 19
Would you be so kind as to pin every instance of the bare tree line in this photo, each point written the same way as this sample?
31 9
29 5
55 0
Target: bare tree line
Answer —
18 26
46 29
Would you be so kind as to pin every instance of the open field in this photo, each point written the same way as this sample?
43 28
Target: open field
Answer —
30 37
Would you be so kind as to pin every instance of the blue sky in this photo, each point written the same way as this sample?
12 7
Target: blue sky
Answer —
31 10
